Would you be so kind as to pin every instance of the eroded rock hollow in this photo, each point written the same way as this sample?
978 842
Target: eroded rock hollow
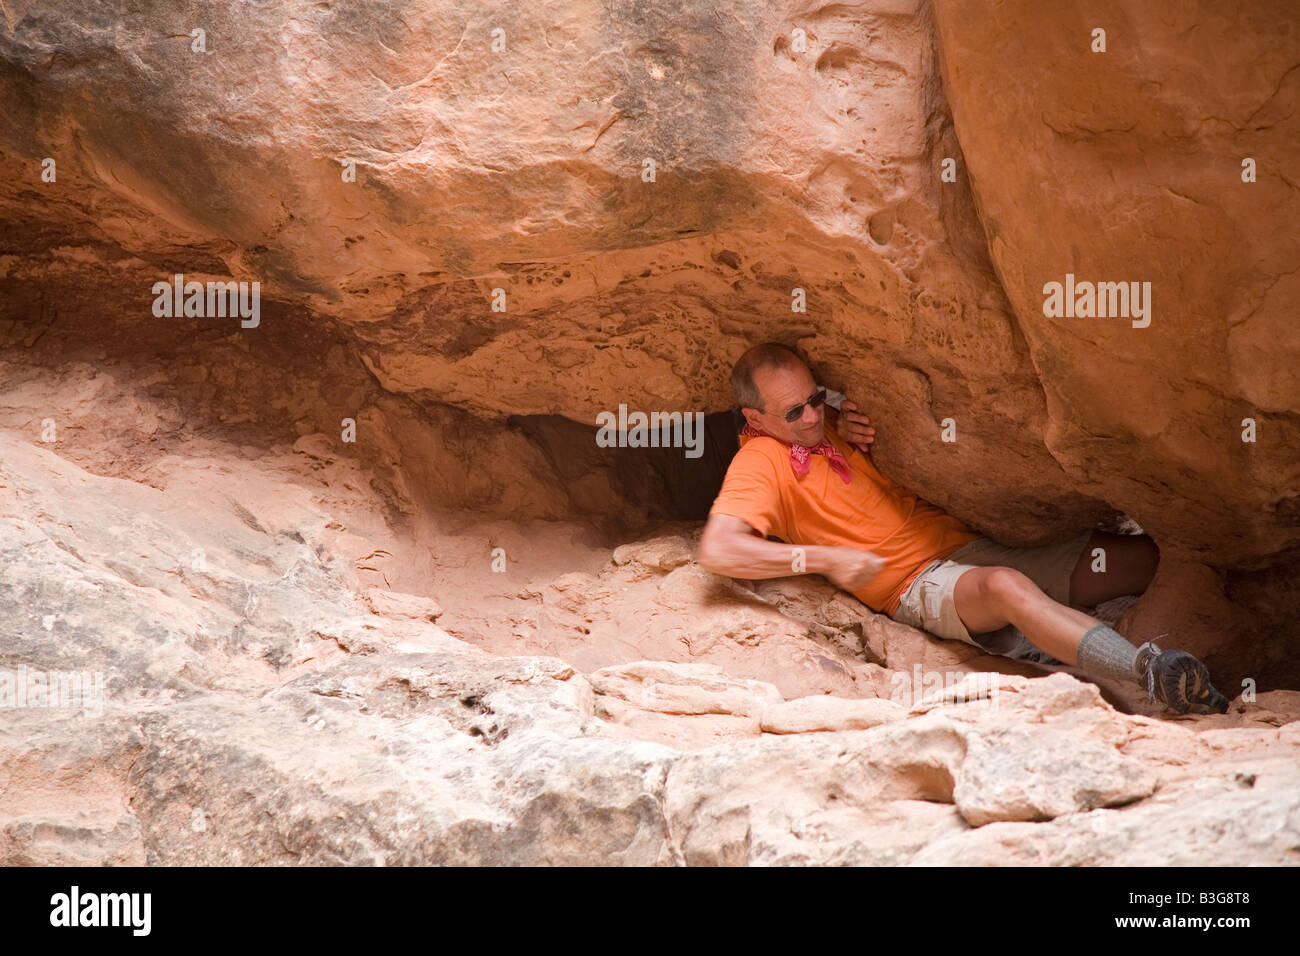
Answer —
359 559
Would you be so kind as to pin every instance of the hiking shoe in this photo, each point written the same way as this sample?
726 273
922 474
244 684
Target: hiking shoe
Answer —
1177 679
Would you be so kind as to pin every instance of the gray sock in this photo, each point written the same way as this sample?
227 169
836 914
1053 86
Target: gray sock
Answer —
1104 652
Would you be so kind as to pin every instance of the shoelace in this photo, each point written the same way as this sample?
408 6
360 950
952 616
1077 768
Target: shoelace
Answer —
1150 669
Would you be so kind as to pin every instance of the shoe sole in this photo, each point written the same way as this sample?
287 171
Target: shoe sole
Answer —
1183 680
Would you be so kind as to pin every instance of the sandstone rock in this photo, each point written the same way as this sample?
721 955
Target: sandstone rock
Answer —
181 514
1159 149
776 168
1146 159
811 714
405 744
684 689
63 799
977 690
396 604
1070 774
660 554
481 779
1213 823
642 293
679 731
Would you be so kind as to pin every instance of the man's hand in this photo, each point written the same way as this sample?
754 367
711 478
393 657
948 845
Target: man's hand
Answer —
851 568
855 428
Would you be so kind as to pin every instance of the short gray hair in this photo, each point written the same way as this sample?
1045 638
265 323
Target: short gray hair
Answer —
766 355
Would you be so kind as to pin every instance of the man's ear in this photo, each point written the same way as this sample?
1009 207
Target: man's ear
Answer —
751 416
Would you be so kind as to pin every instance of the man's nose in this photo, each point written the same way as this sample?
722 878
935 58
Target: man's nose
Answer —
812 415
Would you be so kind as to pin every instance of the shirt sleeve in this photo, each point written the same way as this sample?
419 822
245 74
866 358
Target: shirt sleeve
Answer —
751 491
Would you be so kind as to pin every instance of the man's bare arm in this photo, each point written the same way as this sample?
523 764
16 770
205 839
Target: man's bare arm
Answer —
730 546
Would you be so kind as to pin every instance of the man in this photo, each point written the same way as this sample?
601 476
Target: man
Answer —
795 478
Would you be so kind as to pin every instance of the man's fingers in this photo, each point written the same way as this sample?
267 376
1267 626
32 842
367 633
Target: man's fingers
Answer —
855 428
846 404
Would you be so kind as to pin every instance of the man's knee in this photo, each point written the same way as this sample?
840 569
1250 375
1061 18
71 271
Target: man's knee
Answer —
1007 587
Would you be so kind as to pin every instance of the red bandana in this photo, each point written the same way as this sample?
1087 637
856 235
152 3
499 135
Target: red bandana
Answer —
799 454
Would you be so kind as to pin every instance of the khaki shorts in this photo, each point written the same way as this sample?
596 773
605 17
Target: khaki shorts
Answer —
928 602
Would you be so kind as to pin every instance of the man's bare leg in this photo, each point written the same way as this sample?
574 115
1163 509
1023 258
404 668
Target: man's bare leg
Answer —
997 596
990 598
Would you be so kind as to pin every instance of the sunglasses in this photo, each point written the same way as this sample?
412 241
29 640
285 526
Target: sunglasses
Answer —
815 400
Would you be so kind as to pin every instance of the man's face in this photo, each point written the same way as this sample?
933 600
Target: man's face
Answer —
782 389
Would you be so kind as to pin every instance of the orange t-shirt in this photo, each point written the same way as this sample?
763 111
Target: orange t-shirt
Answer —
820 508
